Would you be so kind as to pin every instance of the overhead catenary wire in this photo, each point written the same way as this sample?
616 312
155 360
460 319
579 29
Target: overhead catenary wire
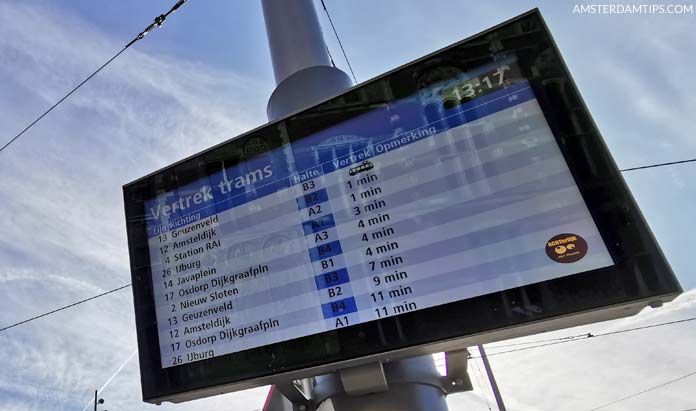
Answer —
671 163
64 307
587 336
672 381
159 20
570 337
340 43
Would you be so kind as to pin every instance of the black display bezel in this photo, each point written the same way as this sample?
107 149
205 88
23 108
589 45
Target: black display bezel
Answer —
640 271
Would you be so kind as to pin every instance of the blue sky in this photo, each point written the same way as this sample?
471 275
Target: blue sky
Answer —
205 77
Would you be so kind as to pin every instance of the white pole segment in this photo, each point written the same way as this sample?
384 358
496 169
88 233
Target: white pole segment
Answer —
301 65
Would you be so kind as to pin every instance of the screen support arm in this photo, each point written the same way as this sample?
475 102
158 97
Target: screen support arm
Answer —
406 384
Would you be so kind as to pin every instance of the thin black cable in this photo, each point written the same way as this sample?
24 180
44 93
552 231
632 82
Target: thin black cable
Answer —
590 335
658 165
536 346
61 100
645 327
64 307
570 337
159 20
645 390
339 41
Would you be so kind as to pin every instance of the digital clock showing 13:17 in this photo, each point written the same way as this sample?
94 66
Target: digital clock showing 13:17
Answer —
487 82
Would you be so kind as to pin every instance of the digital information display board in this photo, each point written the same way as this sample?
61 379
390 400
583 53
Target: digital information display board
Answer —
424 217
357 213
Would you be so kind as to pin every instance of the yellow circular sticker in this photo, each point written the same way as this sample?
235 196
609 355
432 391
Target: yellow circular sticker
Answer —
566 248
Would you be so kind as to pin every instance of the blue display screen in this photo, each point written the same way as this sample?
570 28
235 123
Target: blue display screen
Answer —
393 211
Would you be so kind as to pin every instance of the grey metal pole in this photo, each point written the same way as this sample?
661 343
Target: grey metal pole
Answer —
301 65
304 77
491 378
95 400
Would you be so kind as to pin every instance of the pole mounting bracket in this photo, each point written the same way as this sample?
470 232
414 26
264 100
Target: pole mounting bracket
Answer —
456 379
